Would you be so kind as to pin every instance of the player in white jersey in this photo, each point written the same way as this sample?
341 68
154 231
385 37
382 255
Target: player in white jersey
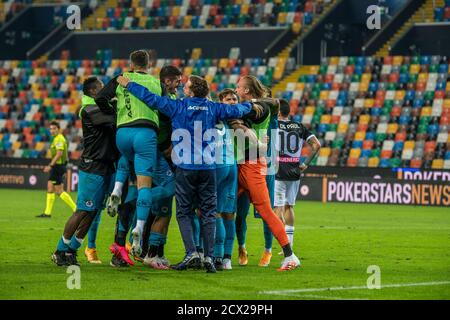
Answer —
291 137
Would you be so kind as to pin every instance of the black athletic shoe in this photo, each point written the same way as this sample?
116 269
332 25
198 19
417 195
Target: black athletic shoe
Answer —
43 215
118 262
71 258
190 261
209 265
218 263
59 258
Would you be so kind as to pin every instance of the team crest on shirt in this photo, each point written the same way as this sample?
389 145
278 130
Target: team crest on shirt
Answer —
89 203
169 173
164 209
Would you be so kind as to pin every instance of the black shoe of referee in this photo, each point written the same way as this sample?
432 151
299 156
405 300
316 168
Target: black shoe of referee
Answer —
43 215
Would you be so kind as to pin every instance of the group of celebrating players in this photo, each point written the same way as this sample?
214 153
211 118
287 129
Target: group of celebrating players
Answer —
216 158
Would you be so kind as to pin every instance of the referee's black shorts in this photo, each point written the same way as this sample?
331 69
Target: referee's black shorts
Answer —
57 174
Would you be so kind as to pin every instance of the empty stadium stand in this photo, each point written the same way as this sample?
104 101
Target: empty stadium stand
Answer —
178 14
442 12
426 13
377 112
381 111
32 93
367 111
9 8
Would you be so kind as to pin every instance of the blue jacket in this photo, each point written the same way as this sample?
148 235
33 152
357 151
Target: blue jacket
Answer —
191 118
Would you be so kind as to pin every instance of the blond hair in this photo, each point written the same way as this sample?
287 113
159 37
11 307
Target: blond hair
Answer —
255 88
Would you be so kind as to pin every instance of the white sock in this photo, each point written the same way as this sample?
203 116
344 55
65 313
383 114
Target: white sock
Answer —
80 241
118 189
140 226
66 241
290 233
268 250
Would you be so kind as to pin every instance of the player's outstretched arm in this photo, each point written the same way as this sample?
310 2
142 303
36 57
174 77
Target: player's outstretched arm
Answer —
231 111
164 104
258 112
274 104
238 124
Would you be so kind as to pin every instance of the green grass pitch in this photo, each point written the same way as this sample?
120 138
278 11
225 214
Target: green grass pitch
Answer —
336 243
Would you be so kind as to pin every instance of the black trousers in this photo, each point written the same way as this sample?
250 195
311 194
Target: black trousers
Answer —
196 186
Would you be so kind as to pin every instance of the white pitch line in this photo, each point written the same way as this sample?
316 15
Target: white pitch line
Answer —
318 297
398 285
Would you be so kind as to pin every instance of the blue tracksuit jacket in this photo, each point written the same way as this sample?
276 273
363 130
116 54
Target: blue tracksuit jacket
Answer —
192 117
